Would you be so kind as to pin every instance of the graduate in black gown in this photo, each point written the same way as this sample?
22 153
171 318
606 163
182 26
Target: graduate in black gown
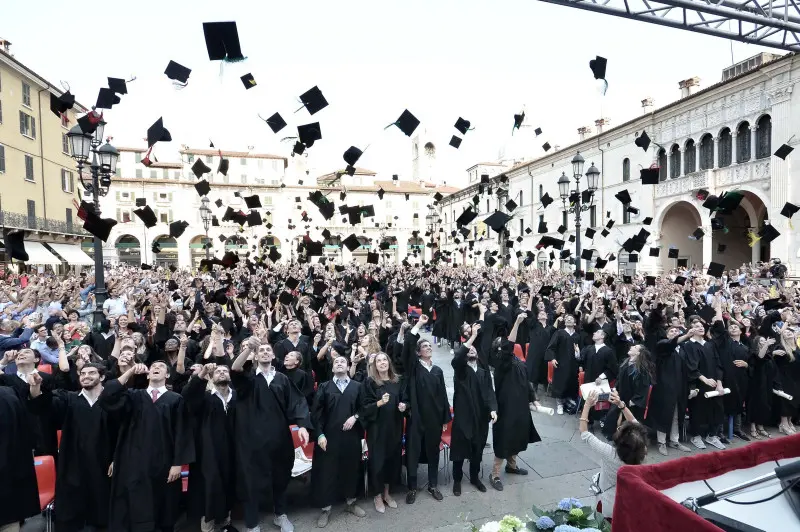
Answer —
787 361
598 359
212 480
19 492
563 350
705 375
736 372
88 439
335 471
474 404
155 440
429 410
302 379
763 380
670 391
539 334
634 379
267 403
382 408
514 429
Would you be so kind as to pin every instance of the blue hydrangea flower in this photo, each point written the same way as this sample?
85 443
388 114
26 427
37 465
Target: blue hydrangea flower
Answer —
545 523
575 503
566 528
564 505
590 530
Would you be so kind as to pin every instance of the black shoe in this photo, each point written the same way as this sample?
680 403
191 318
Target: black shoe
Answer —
435 493
411 496
516 471
741 435
724 440
478 484
457 488
496 484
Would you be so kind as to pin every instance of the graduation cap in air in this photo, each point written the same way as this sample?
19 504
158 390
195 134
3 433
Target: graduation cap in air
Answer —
254 218
253 202
61 104
466 217
177 72
598 66
511 205
586 196
177 228
381 192
546 200
718 224
729 201
406 123
199 168
455 142
673 253
106 99
783 151
372 258
309 133
768 233
351 242
538 131
157 133
789 210
248 81
518 120
721 248
711 202
15 245
118 85
623 196
147 216
462 125
89 122
647 221
223 166
276 122
549 241
590 233
274 254
313 100
99 227
438 196
202 187
600 263
141 202
546 146
655 252
497 220
222 41
716 269
643 141
649 176
542 227
352 155
632 210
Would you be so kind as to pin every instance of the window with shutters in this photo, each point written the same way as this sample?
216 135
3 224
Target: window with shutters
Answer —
67 181
31 214
674 162
626 169
138 173
64 121
268 200
165 173
2 159
1 112
743 142
662 165
27 125
29 168
163 217
26 94
764 137
243 161
689 157
706 152
725 148
69 220
65 143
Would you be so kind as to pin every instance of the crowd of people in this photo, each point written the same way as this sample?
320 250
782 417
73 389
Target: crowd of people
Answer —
227 371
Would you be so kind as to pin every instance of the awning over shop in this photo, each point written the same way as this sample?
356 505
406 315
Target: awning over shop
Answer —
38 254
73 254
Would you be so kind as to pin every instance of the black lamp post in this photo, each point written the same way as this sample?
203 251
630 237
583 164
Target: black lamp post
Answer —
592 181
102 166
205 215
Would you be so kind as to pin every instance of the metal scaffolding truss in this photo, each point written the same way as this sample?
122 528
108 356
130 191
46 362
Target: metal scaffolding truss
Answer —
772 23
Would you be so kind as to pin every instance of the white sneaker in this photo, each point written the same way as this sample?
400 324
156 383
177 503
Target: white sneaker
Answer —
283 522
697 441
560 410
714 440
256 529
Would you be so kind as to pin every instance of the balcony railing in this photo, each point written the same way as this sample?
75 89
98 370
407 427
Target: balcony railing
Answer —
743 172
16 220
683 185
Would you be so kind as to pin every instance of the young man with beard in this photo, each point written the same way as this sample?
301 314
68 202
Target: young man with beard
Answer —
335 471
86 452
212 487
474 404
563 350
155 440
267 403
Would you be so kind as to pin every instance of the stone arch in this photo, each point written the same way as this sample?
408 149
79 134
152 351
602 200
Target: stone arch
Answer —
129 249
676 220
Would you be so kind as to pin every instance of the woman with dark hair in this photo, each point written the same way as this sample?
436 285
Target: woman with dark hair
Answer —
787 360
636 375
762 382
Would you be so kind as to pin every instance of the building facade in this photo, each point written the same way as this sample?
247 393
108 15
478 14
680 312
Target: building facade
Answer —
717 140
40 180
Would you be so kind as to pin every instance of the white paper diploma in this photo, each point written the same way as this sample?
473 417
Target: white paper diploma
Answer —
715 393
542 410
781 393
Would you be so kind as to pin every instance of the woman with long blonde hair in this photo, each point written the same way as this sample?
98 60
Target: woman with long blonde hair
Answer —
787 358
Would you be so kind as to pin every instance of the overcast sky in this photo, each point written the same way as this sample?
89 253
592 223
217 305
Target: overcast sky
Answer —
441 59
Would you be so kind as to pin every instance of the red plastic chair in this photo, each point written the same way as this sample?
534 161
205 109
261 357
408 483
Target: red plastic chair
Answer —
46 479
581 378
45 368
518 352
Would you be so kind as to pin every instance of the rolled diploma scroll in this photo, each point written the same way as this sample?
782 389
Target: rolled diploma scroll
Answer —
781 393
715 393
542 410
693 393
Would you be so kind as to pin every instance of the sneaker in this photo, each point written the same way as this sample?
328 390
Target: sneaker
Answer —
457 488
724 440
714 441
411 496
435 493
516 471
322 521
662 448
479 485
697 441
679 446
355 509
496 484
283 522
741 435
560 410
390 502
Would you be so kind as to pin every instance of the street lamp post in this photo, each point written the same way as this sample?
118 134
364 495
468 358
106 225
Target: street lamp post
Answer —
102 166
592 181
205 215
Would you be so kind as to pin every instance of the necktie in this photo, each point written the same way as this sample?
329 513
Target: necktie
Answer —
154 394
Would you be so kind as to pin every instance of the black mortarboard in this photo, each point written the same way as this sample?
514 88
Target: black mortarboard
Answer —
590 233
141 202
455 142
511 205
586 254
223 166
106 99
407 123
518 120
729 201
177 228
381 192
352 155
673 253
372 258
351 242
561 229
681 280
248 81
313 100
683 263
721 248
254 218
698 233
309 133
222 41
466 217
538 131
438 196
633 257
605 233
177 72
627 279
546 146
784 151
647 221
546 200
253 202
157 133
600 263
202 187
643 141
89 122
61 104
274 254
276 122
549 241
711 202
716 269
789 210
598 66
218 203
147 216
15 244
99 227
768 233
497 220
292 283
586 196
326 234
623 196
118 85
773 304
542 227
654 252
314 249
649 176
285 297
199 168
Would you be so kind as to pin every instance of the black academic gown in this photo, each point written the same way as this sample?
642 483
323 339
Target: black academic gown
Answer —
19 492
759 392
264 447
441 307
733 377
473 400
670 391
514 428
335 472
153 437
384 432
705 414
212 478
633 387
303 381
789 377
88 439
45 439
562 349
538 340
595 362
